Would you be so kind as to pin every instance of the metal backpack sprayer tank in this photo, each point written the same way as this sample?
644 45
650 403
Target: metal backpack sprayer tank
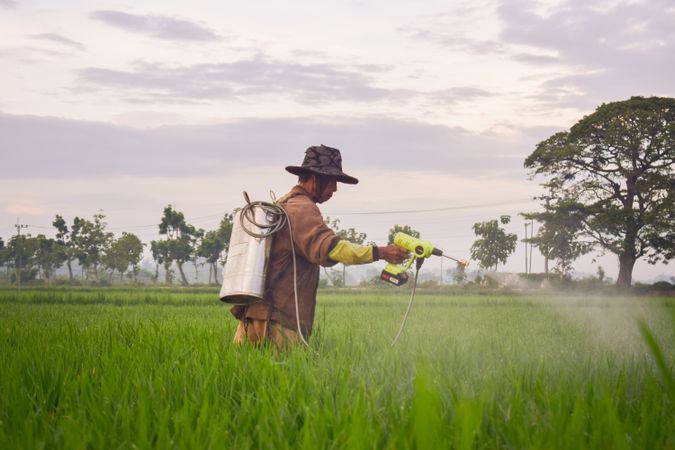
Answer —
246 265
397 274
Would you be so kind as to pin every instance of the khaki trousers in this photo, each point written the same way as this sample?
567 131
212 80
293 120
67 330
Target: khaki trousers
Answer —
258 331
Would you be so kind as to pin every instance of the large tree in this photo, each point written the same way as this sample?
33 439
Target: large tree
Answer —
618 166
494 244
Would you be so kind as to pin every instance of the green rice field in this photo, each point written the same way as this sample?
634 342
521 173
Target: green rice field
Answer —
120 369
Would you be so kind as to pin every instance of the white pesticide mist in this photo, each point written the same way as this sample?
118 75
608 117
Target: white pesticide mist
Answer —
610 323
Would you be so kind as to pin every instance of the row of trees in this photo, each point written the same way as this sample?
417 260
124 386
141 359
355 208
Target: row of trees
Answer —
86 241
183 243
93 248
99 253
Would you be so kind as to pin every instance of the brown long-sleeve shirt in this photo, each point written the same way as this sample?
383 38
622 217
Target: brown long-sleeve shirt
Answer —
312 241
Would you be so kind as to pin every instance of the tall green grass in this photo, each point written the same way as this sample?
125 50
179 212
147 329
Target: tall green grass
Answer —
156 369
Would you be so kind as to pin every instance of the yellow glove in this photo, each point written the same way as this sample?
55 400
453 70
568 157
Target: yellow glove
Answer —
349 253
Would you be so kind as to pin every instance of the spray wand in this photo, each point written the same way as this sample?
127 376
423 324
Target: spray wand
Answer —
397 274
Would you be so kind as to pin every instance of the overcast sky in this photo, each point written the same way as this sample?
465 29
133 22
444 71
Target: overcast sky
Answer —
126 107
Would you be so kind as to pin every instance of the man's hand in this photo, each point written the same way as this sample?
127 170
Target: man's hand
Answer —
393 253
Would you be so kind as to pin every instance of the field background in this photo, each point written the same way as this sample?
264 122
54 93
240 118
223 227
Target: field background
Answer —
156 369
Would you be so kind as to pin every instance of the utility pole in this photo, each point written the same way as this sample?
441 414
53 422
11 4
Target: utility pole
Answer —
18 227
531 236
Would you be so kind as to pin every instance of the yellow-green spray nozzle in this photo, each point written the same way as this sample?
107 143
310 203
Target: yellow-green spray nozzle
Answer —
397 273
420 248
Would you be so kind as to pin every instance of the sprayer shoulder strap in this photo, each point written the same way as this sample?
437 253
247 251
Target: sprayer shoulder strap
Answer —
289 196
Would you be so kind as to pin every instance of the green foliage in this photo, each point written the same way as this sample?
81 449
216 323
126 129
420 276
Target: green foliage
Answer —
115 368
161 253
26 274
49 255
91 241
180 243
88 242
350 235
124 252
66 239
559 237
493 245
618 164
214 244
21 254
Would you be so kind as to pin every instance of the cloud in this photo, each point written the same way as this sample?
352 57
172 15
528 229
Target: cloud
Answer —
602 53
59 40
160 27
53 148
8 4
309 84
31 55
306 83
458 94
456 29
619 50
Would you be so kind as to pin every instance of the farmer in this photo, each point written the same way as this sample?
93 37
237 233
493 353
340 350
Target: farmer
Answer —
315 244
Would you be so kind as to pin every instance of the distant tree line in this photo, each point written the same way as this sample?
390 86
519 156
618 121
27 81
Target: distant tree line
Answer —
102 256
182 243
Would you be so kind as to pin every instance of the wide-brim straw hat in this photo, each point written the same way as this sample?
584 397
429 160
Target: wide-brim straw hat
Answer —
323 160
